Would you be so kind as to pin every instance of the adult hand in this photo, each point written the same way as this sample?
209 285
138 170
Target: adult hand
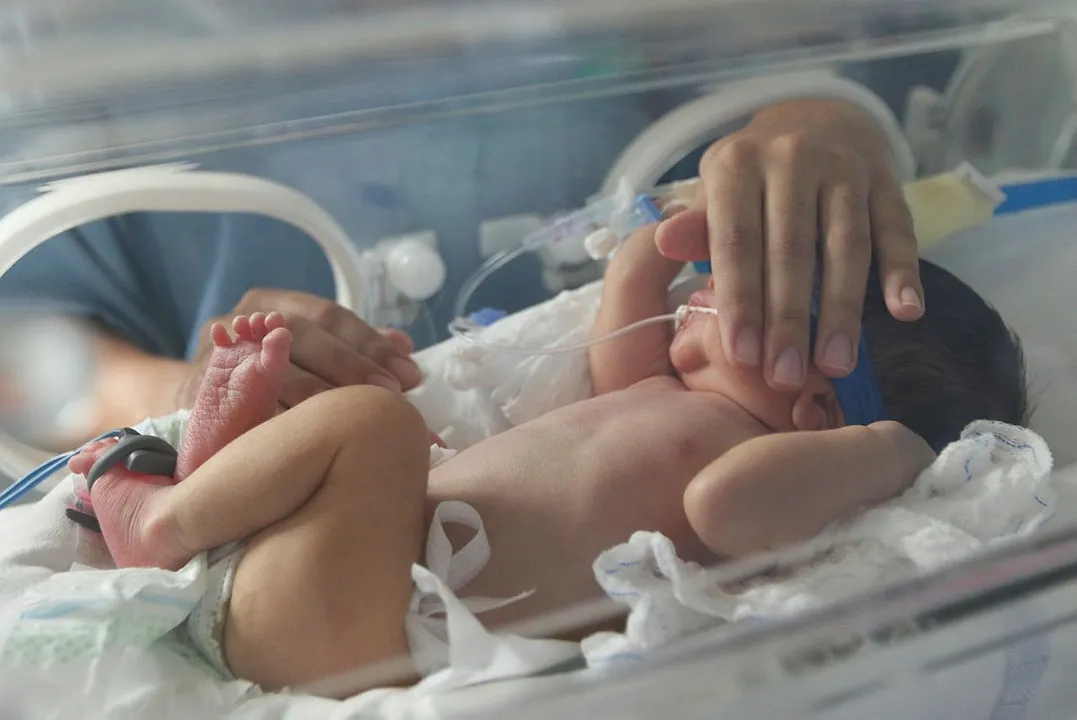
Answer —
331 347
804 180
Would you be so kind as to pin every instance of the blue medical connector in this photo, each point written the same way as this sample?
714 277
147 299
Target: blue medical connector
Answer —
486 316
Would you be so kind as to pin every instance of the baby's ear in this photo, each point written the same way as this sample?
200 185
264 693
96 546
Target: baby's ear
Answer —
816 406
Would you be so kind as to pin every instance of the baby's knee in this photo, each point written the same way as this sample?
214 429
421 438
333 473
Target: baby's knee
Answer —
373 413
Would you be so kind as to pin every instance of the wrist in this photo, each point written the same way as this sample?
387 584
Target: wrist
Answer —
656 273
843 121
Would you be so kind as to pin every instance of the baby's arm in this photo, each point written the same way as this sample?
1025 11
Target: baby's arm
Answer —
784 488
636 287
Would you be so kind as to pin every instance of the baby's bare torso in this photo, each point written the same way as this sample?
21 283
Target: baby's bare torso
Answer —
555 492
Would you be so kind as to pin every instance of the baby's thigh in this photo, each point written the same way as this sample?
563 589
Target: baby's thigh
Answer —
298 615
327 590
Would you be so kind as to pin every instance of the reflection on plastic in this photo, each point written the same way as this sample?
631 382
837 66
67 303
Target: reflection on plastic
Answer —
46 368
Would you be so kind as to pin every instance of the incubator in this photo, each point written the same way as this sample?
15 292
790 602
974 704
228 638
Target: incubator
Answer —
462 170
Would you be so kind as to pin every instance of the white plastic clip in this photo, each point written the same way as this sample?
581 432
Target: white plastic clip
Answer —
601 243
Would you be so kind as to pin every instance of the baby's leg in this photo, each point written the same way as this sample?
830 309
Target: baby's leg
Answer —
239 392
332 496
326 589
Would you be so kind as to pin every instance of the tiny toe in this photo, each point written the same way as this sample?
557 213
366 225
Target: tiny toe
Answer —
258 326
219 335
274 320
276 348
81 463
241 325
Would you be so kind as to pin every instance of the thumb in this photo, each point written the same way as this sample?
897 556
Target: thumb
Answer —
683 237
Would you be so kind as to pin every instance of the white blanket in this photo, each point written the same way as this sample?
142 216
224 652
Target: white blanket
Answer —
992 486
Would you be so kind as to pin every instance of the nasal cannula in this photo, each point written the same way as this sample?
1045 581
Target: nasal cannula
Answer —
462 328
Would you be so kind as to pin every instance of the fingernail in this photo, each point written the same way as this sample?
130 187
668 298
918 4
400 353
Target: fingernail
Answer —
789 370
747 348
838 353
911 298
405 370
384 381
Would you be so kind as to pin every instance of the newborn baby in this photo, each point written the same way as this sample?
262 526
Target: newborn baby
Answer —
333 498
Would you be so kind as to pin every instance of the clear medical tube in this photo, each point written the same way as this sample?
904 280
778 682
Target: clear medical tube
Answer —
488 268
463 329
620 211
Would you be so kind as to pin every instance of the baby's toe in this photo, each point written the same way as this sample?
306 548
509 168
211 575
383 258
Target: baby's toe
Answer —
220 336
81 463
241 326
274 320
258 326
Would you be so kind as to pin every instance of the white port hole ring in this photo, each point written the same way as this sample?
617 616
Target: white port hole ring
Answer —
686 128
67 204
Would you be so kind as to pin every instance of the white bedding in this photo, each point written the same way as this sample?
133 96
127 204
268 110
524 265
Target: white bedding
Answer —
468 405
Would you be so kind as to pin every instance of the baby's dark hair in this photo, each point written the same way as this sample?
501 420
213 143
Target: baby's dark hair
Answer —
958 363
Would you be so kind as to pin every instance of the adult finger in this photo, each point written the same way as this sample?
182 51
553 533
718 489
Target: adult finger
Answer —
358 335
846 230
385 350
326 356
792 199
399 340
733 189
894 241
298 385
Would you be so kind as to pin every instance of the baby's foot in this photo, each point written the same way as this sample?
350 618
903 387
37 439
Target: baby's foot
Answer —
240 389
124 504
80 465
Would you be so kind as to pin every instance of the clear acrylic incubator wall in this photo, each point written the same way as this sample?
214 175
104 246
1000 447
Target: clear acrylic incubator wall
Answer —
417 143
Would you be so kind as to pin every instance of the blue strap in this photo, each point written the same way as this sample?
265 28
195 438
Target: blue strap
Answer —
1037 194
858 393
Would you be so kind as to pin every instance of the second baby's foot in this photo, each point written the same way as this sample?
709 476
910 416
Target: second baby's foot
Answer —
240 388
126 505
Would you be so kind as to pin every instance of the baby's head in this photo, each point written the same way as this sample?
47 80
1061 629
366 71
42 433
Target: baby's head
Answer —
957 364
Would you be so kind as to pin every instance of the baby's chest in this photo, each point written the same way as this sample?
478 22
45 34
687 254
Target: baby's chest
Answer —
633 472
664 434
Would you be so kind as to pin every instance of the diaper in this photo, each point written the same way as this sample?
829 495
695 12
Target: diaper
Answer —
426 636
205 625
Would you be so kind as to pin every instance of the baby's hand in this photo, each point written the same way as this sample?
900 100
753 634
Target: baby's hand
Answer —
639 264
911 453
